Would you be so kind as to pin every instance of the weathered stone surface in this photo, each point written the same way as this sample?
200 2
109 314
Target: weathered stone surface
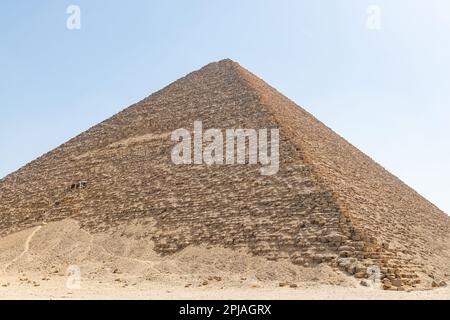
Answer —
397 282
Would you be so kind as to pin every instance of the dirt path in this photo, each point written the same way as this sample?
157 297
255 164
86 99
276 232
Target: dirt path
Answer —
26 248
146 262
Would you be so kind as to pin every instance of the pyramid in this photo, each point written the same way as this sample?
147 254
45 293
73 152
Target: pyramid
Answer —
328 204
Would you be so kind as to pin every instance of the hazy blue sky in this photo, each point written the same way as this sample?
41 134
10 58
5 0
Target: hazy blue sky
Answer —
387 91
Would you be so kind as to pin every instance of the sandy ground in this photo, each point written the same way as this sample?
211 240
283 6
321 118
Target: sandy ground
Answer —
57 289
61 261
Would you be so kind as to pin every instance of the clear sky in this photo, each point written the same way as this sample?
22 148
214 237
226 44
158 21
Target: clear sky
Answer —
386 89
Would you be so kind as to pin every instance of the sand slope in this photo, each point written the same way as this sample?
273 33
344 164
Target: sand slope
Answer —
36 264
40 259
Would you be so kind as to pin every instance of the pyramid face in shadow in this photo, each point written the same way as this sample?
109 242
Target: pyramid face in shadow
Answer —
328 202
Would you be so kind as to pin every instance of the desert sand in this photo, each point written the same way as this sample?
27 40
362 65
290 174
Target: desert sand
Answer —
55 289
38 263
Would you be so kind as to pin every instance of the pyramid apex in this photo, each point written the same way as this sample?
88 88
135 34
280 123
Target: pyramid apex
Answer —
227 62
